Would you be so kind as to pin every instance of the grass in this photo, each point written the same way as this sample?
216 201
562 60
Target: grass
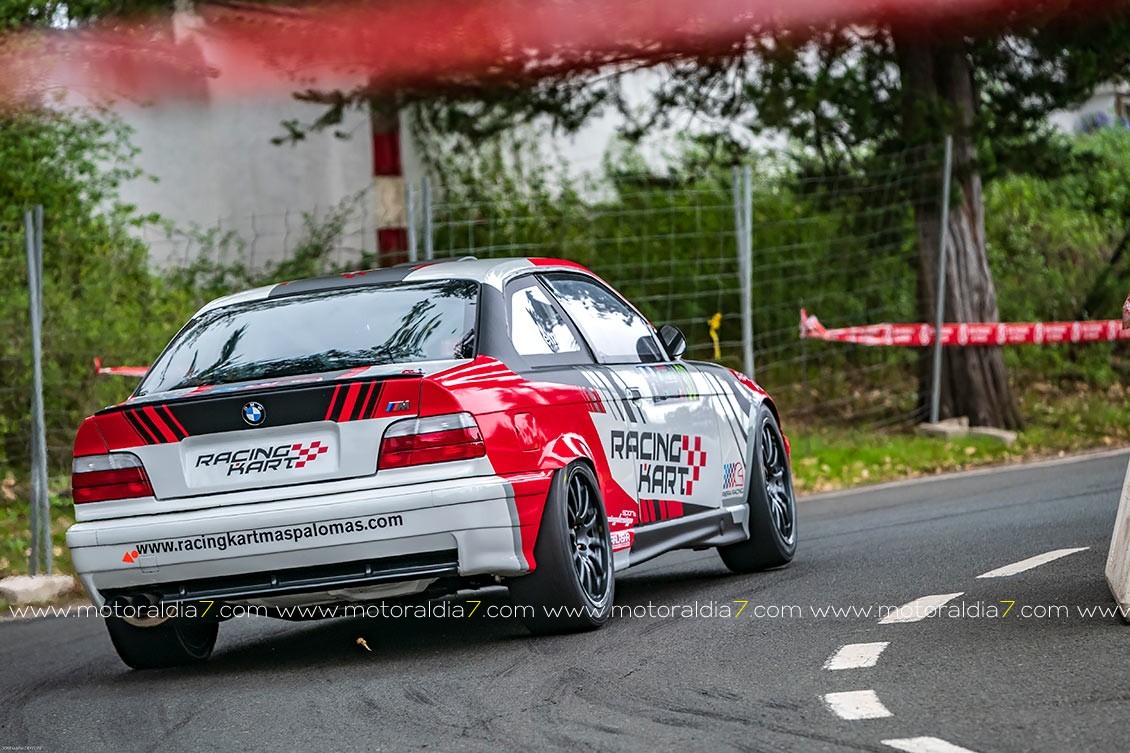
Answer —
1060 419
15 536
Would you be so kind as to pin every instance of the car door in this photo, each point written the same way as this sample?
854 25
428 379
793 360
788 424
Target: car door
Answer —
672 438
547 348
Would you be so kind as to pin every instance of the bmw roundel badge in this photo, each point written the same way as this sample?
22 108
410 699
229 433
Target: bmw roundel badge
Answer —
254 413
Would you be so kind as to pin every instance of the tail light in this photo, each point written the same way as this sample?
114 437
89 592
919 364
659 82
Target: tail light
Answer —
436 439
98 478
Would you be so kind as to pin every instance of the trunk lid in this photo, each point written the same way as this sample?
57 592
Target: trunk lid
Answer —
245 437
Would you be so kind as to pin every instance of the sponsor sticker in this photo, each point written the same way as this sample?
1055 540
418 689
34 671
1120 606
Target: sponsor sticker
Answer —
733 479
221 542
669 463
621 540
249 460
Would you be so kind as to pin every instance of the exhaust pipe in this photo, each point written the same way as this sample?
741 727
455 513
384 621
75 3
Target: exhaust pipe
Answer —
140 610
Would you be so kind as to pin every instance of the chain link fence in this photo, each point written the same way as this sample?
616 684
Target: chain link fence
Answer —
262 240
841 247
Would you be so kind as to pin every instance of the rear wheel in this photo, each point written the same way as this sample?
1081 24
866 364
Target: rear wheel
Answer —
171 644
572 587
772 503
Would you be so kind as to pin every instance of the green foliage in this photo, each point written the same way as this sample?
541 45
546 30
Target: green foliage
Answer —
1068 418
667 242
1052 247
98 296
220 264
15 535
21 14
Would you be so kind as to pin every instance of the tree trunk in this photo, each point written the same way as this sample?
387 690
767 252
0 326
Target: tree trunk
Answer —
939 97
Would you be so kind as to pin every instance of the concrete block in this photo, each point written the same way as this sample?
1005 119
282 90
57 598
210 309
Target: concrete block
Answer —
950 428
34 589
1004 436
1118 559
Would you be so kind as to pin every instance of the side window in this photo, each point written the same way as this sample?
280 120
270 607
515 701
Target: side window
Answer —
615 331
537 328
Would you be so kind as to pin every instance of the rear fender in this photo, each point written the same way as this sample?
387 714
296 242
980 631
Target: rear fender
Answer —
89 440
564 450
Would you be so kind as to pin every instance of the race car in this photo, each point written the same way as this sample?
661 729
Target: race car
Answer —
409 433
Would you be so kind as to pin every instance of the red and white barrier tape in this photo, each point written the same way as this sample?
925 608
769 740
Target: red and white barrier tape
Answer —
133 371
906 335
981 333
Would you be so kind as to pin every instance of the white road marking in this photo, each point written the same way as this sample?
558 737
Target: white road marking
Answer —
925 745
856 655
1031 562
919 609
856 704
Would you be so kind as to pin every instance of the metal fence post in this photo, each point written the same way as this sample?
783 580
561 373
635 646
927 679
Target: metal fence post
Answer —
939 312
743 220
41 547
429 247
33 503
410 211
45 499
747 303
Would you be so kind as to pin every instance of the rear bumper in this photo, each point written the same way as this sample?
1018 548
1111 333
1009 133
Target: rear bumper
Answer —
345 546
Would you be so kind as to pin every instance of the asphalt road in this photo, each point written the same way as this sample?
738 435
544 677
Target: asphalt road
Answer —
753 682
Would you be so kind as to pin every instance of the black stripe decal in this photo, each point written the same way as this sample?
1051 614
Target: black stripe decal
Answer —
362 409
204 414
173 423
151 425
150 435
634 415
140 422
333 404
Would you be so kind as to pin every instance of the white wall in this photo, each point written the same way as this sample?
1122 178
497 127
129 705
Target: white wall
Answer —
214 164
1101 101
208 160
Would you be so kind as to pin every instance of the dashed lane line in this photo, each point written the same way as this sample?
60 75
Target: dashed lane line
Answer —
854 705
925 745
1031 562
919 609
856 656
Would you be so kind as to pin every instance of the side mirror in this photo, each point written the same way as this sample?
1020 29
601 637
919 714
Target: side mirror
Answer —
673 341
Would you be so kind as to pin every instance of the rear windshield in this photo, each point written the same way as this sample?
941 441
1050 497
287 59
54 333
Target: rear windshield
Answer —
318 332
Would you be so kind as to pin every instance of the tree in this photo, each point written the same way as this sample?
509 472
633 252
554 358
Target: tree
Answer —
852 96
99 296
938 76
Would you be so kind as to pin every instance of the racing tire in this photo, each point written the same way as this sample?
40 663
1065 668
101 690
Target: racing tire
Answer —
170 644
572 586
772 503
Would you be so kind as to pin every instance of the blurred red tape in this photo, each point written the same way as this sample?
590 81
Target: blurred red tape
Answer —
979 333
132 371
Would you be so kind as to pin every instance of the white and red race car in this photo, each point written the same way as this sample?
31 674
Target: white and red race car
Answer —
412 432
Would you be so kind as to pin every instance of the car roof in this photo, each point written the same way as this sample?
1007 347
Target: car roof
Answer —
493 272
